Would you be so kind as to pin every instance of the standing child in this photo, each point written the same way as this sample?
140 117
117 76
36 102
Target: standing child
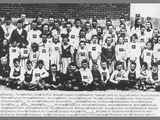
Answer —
34 54
67 53
55 52
94 51
147 54
82 53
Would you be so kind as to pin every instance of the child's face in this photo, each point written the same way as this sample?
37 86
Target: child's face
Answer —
34 49
65 40
17 64
144 67
94 39
84 65
72 68
132 66
82 44
45 28
78 23
40 65
154 68
109 40
94 67
5 42
104 65
29 66
53 68
149 45
119 67
121 40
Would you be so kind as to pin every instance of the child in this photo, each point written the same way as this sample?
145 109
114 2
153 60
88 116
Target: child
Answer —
28 73
104 72
156 52
108 54
94 51
118 78
82 53
55 52
44 52
34 54
86 75
120 51
56 79
147 54
143 76
40 75
24 54
16 76
4 70
72 78
67 53
134 52
154 81
98 83
132 75
14 52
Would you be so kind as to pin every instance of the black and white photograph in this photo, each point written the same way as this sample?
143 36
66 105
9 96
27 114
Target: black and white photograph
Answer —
69 47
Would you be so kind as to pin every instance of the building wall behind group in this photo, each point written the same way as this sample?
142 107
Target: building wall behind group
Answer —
71 10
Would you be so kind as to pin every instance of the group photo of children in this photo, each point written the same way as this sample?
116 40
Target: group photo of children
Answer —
77 54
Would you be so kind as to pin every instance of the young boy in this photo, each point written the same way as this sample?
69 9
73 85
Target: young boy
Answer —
16 76
56 79
28 73
118 78
147 54
67 53
94 51
108 54
56 52
44 52
86 75
144 76
82 53
14 52
72 78
120 51
40 75
132 75
98 83
34 54
104 72
4 70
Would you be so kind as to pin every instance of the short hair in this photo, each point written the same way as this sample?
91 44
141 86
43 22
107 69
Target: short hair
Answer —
145 65
84 61
134 63
40 62
53 65
118 63
154 64
16 60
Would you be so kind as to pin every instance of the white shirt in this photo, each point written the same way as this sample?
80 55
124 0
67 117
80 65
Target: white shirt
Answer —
86 75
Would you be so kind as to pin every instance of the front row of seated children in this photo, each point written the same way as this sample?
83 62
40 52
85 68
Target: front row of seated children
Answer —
84 78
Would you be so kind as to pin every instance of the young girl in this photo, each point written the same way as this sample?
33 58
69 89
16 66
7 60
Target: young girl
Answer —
147 54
